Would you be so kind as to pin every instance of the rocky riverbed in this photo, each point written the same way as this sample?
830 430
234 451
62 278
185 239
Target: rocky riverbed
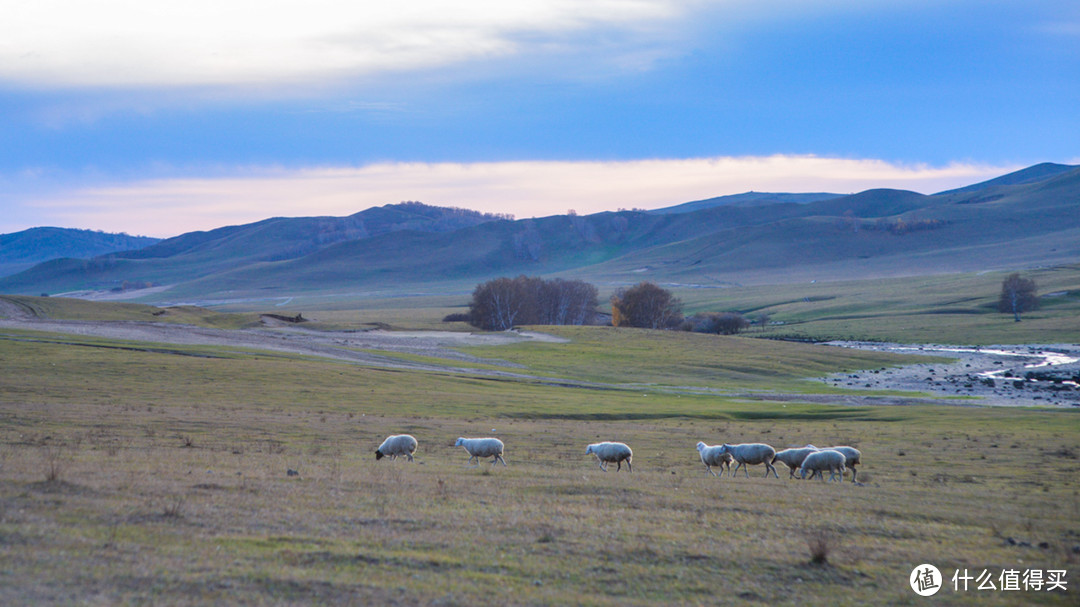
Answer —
1028 375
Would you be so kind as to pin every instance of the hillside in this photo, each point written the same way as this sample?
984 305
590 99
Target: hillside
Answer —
1019 222
197 254
746 199
22 250
1039 172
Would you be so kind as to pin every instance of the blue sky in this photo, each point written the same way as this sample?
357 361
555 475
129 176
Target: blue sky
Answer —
163 119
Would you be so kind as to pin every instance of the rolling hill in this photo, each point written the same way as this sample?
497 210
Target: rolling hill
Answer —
22 250
746 199
1031 218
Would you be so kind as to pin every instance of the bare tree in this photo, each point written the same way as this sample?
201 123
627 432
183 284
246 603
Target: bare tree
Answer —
497 304
568 302
763 319
1017 295
645 305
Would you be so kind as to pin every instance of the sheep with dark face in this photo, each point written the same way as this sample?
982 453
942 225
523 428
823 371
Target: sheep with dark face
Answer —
483 447
395 445
793 458
826 459
711 456
751 454
607 452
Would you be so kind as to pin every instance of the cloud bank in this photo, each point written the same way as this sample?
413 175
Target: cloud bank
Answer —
233 43
168 207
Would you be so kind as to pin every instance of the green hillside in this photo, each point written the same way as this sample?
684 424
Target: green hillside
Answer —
1027 220
22 250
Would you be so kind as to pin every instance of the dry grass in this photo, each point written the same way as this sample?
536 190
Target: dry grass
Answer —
172 487
223 522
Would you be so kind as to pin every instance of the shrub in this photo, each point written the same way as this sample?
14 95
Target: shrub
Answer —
647 306
724 323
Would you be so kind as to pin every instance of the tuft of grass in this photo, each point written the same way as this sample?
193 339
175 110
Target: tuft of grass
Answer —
821 543
55 462
174 507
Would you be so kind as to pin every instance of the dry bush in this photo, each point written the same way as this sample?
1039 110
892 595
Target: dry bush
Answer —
55 462
174 508
821 543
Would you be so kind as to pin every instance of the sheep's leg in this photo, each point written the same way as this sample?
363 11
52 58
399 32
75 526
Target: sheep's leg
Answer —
602 466
737 465
854 473
409 455
708 469
629 467
499 458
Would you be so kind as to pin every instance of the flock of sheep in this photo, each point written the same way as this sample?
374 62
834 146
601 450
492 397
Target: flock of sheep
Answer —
804 460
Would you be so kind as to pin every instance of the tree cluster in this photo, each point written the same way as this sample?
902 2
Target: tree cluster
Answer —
645 305
502 303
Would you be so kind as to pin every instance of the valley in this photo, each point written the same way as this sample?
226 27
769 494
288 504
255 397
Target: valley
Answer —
194 422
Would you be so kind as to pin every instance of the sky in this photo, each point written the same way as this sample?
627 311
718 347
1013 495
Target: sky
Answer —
159 118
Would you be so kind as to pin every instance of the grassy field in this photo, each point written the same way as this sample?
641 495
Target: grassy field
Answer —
64 308
950 308
946 308
159 476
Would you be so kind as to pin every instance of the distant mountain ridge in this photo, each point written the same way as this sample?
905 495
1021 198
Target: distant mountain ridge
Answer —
875 233
22 250
746 199
198 253
1038 172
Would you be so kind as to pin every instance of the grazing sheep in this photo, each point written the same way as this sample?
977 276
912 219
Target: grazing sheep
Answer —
711 456
752 454
482 447
611 452
852 458
395 445
825 459
793 458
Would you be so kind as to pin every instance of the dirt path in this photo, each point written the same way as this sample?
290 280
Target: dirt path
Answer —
348 346
941 383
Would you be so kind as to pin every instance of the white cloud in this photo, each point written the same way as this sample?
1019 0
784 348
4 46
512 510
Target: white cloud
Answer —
228 43
167 207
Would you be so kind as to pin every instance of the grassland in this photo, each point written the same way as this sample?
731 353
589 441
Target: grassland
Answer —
159 476
948 308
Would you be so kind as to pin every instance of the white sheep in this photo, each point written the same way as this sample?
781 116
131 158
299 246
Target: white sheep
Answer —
852 458
793 458
711 456
751 454
395 445
611 452
483 447
825 459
